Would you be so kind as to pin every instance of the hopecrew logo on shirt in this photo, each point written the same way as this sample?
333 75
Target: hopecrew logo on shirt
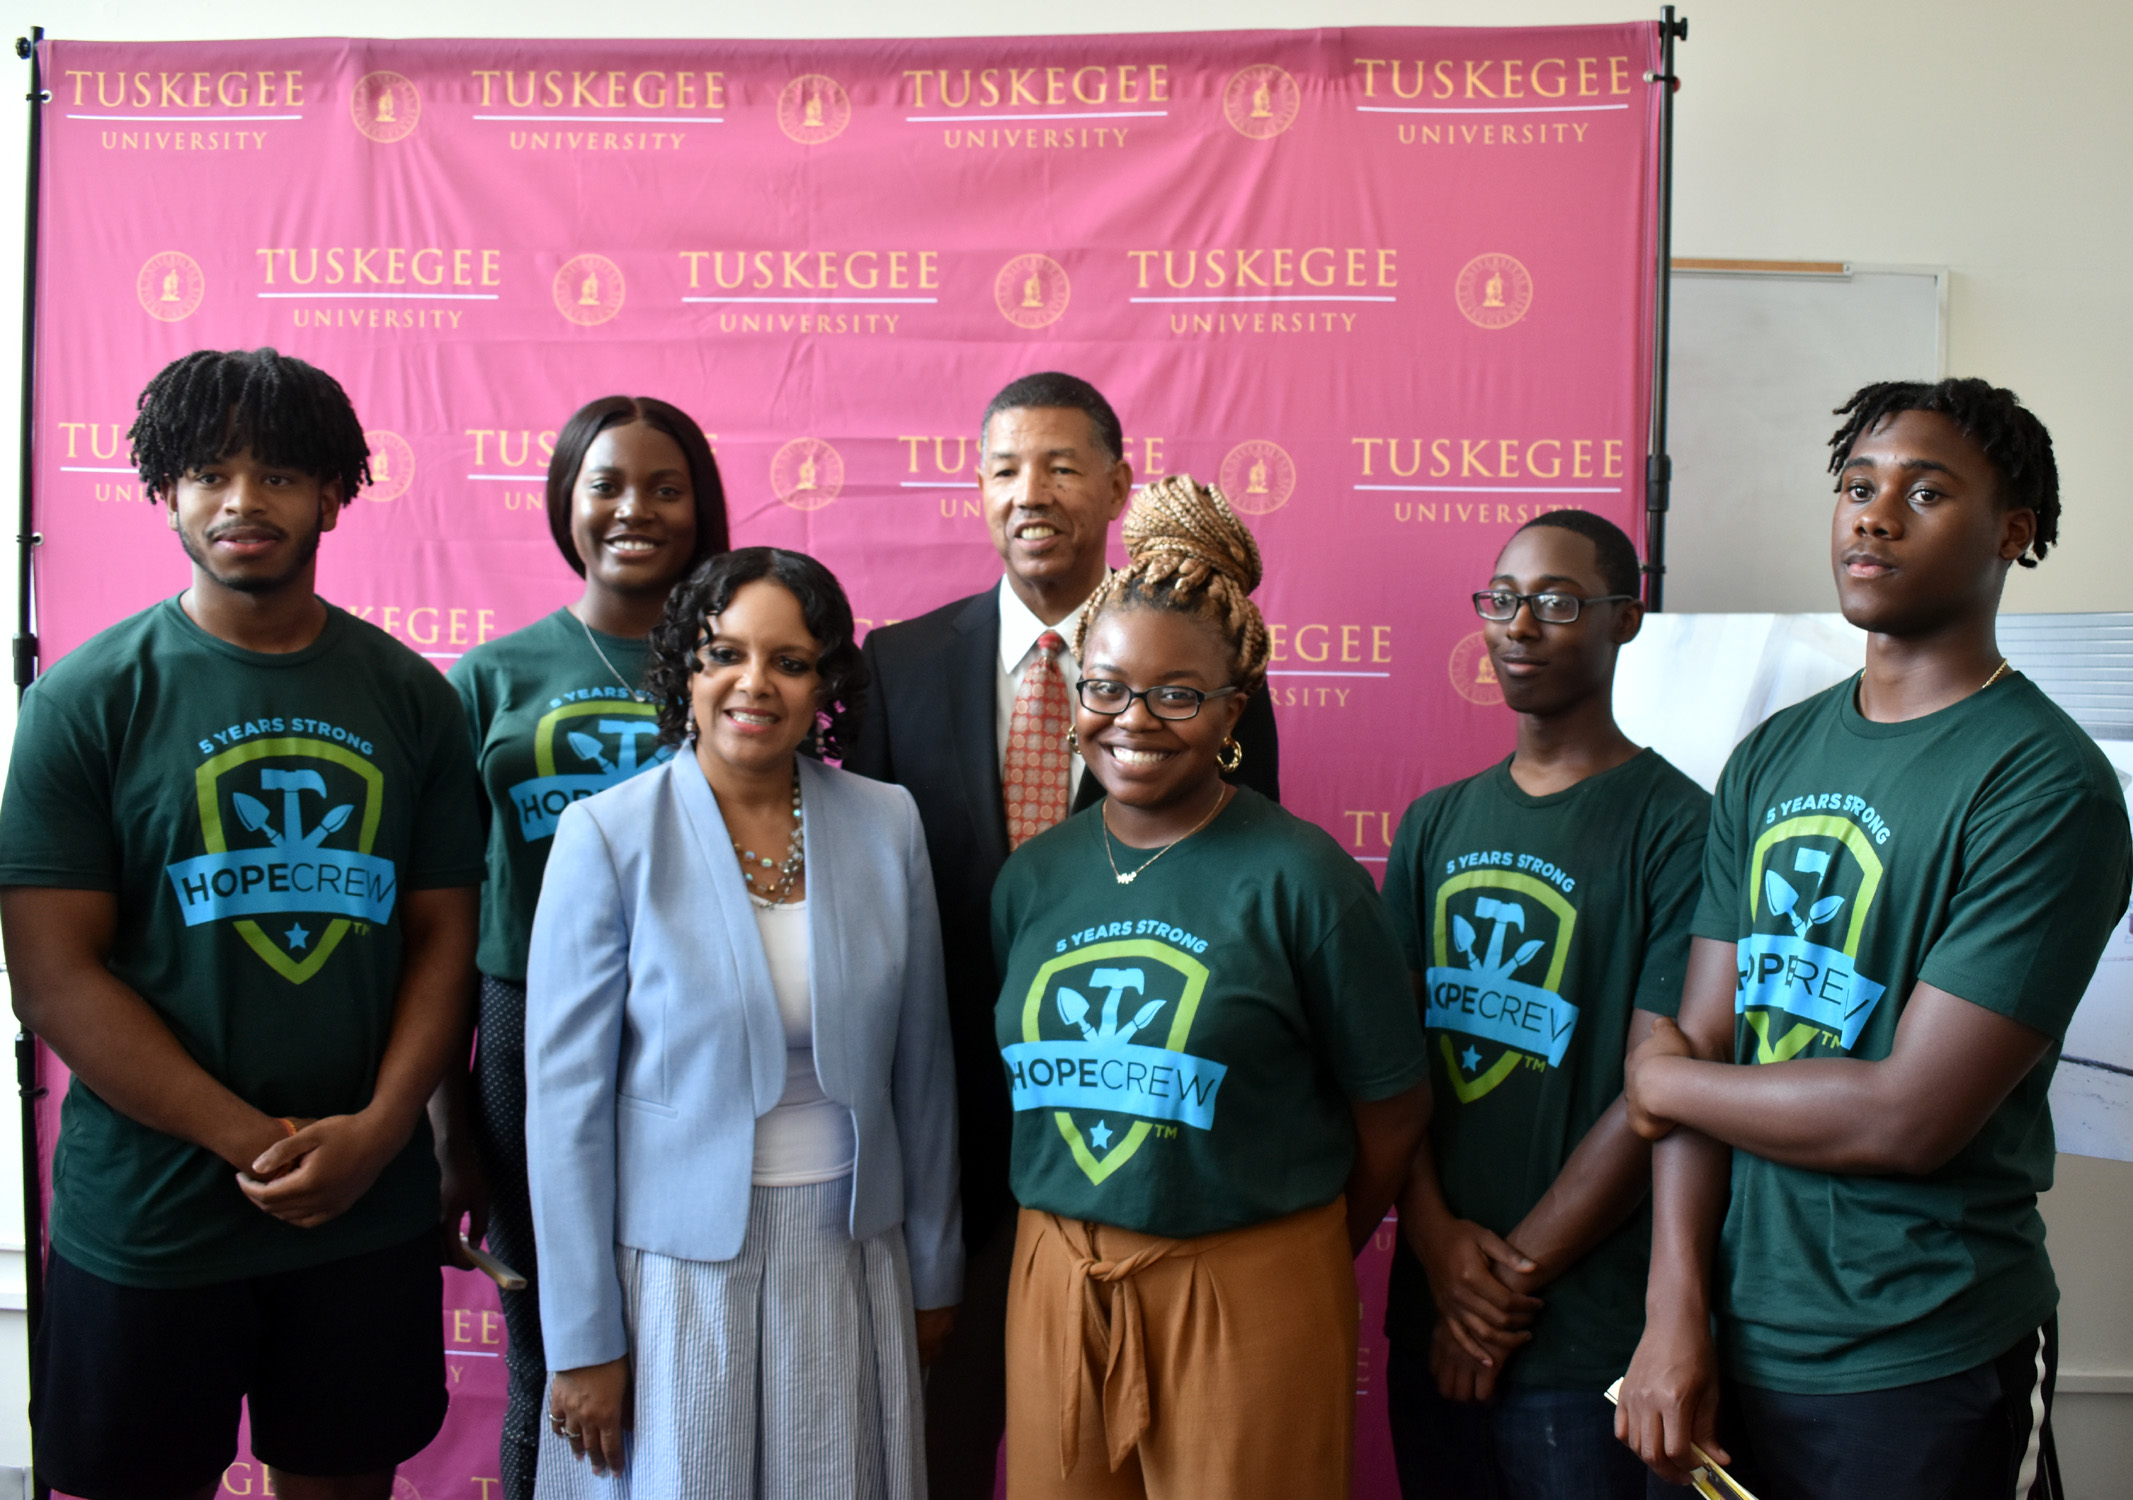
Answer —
289 822
1499 1006
1811 882
606 739
1103 1046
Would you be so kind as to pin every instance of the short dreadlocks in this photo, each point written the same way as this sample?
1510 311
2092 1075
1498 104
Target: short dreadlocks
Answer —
2012 439
214 403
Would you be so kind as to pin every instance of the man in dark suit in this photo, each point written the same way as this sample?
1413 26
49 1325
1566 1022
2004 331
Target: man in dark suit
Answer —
951 690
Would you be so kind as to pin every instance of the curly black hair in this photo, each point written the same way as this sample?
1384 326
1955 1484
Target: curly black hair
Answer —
594 418
682 631
214 403
2013 440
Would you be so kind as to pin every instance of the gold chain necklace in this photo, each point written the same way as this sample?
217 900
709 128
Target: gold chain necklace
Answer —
1221 800
1997 673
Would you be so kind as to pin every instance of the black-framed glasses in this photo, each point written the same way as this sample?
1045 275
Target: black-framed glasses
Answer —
1550 607
1167 701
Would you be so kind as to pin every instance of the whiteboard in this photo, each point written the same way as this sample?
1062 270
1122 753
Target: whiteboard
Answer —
1759 360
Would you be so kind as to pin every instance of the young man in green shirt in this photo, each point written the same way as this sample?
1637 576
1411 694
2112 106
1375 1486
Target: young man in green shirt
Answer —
239 856
1908 883
1544 906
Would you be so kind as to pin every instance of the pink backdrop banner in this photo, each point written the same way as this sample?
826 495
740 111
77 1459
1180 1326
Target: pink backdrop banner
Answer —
1390 288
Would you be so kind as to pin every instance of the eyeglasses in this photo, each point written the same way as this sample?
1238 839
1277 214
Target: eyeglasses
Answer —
1551 608
1099 696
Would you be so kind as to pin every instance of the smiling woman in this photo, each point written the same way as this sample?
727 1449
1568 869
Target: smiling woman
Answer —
556 713
741 1100
1214 1059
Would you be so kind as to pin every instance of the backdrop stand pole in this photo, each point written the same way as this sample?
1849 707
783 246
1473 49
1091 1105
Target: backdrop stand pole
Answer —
1658 466
25 670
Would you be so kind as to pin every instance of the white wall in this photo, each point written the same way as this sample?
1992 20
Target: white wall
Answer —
1989 138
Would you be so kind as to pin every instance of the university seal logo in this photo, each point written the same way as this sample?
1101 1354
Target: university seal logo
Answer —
1500 940
1261 101
604 741
1493 291
1032 291
386 107
1257 477
170 286
588 290
289 823
1472 673
1811 882
806 473
1104 1031
392 465
813 109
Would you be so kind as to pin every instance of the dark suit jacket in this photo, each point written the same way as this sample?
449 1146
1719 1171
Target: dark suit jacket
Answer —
931 727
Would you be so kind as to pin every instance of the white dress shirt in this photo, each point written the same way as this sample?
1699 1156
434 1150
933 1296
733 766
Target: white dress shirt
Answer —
1019 630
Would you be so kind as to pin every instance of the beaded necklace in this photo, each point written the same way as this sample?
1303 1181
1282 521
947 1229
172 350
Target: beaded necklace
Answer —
776 886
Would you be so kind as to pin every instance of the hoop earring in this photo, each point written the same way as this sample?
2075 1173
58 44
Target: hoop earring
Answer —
1229 757
1073 743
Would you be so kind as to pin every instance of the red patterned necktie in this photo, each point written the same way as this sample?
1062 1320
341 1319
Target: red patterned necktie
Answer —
1035 781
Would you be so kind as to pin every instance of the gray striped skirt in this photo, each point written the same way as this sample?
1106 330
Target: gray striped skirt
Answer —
787 1373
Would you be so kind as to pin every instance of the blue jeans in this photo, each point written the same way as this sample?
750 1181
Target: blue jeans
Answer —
1530 1443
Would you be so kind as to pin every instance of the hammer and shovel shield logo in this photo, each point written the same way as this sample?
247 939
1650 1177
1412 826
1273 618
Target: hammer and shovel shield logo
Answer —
289 823
1104 1031
580 749
1812 880
1494 991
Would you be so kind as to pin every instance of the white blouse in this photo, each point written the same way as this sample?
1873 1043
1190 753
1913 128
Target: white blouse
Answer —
807 1136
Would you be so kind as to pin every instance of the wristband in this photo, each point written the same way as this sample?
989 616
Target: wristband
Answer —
286 1123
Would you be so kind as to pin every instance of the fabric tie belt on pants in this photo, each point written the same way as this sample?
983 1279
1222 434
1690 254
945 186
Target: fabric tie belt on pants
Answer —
1174 1369
1113 1348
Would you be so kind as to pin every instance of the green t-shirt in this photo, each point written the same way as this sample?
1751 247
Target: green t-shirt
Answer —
1983 850
551 724
258 818
1254 965
1538 924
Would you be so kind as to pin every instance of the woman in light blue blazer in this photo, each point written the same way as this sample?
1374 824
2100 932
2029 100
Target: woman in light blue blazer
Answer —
740 1096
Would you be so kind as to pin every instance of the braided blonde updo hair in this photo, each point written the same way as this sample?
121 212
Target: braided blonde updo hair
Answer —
1188 553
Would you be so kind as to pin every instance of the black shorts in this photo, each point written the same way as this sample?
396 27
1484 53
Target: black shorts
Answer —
137 1388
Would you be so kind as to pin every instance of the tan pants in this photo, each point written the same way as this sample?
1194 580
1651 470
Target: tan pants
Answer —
1217 1368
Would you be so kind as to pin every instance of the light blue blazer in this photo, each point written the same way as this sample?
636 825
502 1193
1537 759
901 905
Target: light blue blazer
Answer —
653 1042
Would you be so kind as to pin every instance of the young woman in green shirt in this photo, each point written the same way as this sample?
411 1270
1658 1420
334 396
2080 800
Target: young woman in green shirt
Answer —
556 713
1215 1062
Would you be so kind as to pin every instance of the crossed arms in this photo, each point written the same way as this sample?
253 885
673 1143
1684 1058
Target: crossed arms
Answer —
1950 1066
